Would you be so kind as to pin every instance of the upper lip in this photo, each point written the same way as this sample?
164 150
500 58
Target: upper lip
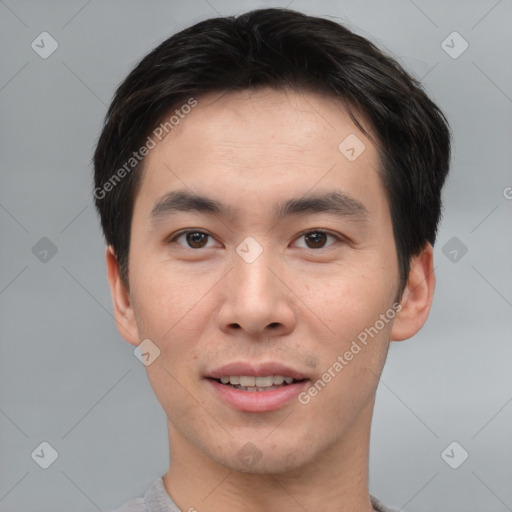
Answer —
239 368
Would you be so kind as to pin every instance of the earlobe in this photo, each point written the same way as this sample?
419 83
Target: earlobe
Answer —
417 297
123 308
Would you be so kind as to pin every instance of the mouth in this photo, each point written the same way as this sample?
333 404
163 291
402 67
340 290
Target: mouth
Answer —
251 383
252 387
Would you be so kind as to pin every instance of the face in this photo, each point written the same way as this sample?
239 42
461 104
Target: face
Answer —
278 271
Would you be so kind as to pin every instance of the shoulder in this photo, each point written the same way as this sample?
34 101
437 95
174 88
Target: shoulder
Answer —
136 505
378 506
156 499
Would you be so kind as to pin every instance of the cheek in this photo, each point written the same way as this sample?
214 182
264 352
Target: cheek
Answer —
174 315
164 297
346 301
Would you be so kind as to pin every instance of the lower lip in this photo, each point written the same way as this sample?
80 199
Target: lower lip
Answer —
258 401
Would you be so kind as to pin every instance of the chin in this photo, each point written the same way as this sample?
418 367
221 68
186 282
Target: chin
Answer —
264 457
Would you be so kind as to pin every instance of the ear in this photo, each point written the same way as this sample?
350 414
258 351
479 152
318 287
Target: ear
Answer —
417 297
123 308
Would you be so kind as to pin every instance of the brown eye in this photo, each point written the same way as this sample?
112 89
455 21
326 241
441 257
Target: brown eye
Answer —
193 240
196 239
316 239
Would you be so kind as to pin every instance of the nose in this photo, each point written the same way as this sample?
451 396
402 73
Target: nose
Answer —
257 300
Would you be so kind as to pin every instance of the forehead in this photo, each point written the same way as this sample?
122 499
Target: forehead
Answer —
264 142
295 123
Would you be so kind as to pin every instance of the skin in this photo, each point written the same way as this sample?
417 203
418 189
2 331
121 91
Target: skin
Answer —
301 306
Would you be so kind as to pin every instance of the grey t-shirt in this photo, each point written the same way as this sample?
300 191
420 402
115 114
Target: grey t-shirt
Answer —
157 499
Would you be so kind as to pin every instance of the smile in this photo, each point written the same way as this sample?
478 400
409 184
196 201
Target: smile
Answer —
251 383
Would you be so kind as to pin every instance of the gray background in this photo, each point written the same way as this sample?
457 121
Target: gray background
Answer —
67 377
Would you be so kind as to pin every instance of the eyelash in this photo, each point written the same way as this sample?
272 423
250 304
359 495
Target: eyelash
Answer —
338 238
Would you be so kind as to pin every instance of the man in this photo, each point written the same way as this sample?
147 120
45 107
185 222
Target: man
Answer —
269 187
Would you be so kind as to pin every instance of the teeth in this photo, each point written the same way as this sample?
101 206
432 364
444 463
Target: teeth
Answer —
263 382
246 381
254 383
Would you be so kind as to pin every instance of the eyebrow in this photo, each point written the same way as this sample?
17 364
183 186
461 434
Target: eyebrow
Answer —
334 202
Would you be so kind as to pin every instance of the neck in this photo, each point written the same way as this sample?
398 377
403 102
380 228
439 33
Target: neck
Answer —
334 481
